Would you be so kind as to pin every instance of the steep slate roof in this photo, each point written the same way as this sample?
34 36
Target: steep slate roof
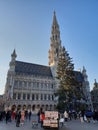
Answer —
79 76
41 70
32 69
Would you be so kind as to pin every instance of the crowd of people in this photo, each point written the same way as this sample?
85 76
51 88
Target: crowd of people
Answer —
20 116
83 115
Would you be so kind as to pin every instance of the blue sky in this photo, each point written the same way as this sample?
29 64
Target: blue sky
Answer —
26 26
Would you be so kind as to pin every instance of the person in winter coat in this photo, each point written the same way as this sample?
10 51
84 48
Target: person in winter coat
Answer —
29 114
18 116
89 115
66 116
61 121
22 117
42 118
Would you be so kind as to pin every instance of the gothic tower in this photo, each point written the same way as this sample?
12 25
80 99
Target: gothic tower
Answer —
55 45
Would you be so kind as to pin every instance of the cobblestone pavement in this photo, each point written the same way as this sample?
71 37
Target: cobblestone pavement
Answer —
70 125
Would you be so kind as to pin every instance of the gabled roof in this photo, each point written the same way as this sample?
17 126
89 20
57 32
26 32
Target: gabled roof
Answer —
32 69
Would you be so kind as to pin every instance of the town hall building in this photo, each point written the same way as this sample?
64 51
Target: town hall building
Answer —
32 86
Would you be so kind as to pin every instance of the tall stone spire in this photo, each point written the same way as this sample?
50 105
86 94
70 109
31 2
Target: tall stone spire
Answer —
55 42
55 20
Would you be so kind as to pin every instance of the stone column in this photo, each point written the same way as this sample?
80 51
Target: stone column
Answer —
51 97
47 97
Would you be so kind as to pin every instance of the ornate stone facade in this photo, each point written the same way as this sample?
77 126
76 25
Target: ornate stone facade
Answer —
29 86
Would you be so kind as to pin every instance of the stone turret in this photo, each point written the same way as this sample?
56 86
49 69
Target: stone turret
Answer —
13 59
10 77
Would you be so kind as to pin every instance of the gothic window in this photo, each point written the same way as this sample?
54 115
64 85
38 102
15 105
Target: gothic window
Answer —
32 96
45 97
52 97
41 96
45 84
16 83
29 84
24 96
14 96
49 85
55 37
28 96
19 96
48 97
25 84
52 86
34 84
41 85
36 96
37 84
20 84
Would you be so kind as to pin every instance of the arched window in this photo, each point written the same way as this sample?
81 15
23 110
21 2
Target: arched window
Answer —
16 83
32 96
41 96
41 85
45 97
48 97
28 96
36 96
14 96
37 84
19 95
52 97
24 96
29 84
